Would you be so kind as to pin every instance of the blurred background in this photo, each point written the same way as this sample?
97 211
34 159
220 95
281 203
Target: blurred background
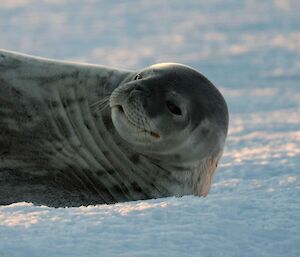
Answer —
235 43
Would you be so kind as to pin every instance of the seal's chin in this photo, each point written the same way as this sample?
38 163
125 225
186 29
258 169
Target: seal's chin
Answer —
130 131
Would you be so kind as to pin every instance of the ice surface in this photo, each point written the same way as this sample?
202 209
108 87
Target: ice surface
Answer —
251 51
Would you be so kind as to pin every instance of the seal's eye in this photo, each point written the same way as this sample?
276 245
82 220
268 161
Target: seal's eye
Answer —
138 76
173 108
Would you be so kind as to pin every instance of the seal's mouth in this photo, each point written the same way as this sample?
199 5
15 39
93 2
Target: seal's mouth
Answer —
120 109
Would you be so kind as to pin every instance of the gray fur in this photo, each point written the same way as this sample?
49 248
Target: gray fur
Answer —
56 149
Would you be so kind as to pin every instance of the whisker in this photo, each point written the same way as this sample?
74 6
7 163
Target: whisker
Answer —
101 104
104 99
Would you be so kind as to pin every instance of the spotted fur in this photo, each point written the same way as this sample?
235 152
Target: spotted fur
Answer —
56 150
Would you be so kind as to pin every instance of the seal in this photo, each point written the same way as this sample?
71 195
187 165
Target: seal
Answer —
79 134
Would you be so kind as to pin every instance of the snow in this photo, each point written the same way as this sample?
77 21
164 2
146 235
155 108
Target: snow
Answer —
250 50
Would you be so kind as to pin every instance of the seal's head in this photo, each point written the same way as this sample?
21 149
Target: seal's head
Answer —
173 114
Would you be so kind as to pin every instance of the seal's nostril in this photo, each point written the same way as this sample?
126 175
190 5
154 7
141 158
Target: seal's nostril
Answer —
120 108
138 76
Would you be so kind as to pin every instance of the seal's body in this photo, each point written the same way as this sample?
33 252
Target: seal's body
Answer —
77 134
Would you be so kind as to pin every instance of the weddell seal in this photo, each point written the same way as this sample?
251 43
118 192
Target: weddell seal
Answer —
79 134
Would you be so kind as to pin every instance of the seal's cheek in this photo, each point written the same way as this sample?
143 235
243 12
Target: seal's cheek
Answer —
203 186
